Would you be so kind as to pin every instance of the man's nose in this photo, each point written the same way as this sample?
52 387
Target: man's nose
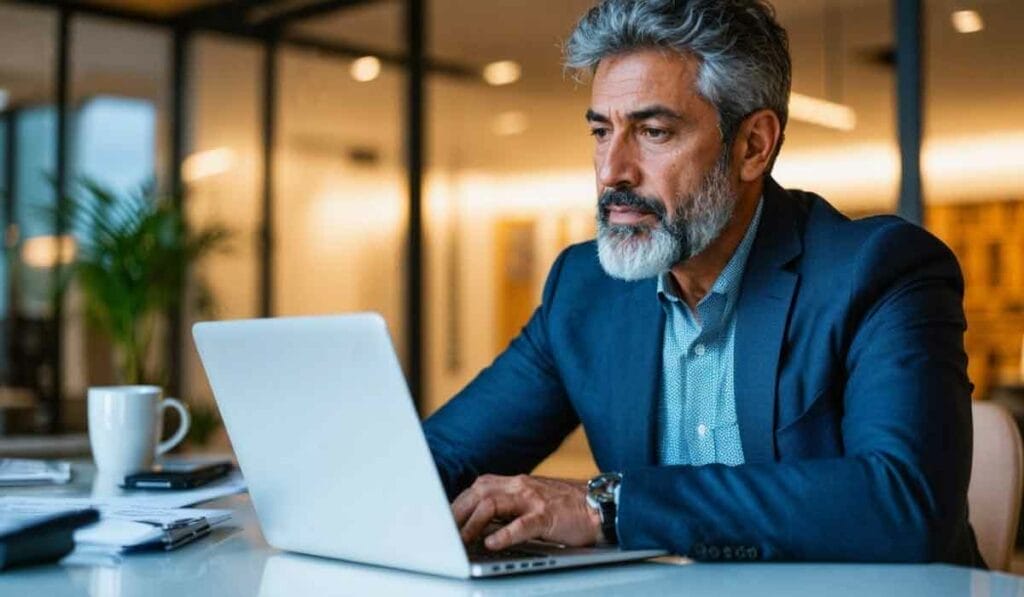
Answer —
618 168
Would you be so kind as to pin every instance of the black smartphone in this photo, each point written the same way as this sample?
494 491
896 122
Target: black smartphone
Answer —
178 475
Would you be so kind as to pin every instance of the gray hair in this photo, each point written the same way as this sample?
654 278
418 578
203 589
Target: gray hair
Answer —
742 50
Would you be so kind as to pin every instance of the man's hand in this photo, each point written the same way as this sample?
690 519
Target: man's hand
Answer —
539 508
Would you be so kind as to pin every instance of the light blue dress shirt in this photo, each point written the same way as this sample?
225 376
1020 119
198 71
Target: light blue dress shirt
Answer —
697 412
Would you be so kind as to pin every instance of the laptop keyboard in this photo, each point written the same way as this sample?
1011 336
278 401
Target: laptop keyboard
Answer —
478 553
486 555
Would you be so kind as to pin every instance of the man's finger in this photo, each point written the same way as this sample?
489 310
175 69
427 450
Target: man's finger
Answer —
465 504
524 528
477 520
490 508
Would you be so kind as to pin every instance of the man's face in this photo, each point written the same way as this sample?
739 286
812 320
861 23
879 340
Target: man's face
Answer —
662 174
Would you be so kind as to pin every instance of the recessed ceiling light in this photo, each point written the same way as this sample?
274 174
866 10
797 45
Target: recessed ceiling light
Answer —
502 72
510 123
365 69
967 21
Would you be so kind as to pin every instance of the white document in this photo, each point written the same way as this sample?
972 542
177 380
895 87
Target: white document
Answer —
22 471
155 498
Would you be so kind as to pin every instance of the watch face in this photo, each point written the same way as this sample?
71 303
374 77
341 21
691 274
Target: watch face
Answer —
601 489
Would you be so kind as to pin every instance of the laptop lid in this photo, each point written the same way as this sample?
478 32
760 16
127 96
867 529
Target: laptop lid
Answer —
329 441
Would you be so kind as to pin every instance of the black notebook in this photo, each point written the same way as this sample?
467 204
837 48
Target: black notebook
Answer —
27 539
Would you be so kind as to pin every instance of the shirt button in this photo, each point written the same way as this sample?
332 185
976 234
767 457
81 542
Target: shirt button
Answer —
699 350
702 430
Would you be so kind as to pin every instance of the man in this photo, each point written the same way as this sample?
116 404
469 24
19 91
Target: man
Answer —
758 376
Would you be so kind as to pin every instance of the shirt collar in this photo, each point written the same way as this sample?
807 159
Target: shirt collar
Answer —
728 282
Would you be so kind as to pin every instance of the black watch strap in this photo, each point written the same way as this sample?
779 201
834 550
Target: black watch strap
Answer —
608 516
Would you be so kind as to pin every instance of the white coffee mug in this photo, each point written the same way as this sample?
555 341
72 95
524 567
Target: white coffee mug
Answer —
125 423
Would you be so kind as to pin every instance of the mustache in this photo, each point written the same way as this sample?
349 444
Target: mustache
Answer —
627 198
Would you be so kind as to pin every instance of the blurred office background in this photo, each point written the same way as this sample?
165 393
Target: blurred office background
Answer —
428 159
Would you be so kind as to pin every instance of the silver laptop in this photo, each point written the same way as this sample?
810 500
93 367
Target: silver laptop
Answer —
331 447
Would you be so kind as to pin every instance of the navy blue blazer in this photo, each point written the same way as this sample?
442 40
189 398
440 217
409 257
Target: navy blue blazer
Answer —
851 393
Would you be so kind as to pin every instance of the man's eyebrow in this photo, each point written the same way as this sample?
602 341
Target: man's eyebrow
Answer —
655 111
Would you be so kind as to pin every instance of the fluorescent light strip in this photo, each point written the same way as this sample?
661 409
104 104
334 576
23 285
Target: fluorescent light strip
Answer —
953 169
821 112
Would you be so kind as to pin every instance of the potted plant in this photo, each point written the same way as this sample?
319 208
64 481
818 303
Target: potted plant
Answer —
133 254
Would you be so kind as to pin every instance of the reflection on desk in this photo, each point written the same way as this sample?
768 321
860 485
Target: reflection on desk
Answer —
290 574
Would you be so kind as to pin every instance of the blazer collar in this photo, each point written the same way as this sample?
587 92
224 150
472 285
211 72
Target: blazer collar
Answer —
762 314
638 337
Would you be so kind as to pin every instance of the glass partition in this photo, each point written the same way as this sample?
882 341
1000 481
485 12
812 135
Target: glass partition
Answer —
340 210
973 173
841 136
5 204
510 184
27 64
223 176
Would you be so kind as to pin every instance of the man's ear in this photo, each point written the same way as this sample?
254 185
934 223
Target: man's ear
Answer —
756 143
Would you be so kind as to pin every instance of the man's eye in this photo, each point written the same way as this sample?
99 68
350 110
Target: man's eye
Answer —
655 133
599 132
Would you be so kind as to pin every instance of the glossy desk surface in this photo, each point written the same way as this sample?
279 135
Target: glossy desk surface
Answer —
235 560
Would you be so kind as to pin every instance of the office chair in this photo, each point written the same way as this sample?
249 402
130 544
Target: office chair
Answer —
994 493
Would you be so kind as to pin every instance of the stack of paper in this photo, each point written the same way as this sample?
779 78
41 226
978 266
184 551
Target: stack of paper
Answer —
124 528
17 471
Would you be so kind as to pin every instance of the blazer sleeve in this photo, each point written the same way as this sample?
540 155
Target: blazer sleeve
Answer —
898 493
512 415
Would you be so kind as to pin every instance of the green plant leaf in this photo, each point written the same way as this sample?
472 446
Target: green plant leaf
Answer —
134 252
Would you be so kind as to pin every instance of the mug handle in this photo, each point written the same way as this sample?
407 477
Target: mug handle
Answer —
183 426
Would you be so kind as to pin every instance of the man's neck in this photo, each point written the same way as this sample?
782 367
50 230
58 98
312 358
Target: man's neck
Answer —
697 275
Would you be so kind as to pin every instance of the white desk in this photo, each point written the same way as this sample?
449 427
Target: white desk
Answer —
235 560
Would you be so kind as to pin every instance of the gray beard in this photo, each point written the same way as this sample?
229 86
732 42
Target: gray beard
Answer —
635 252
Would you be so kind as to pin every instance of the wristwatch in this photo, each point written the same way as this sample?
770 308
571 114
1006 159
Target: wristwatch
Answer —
602 495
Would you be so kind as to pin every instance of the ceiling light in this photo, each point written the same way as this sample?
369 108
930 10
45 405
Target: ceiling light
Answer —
509 123
821 112
502 72
208 163
365 69
3 99
967 21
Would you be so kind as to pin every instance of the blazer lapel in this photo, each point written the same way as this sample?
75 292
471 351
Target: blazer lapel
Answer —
761 316
637 330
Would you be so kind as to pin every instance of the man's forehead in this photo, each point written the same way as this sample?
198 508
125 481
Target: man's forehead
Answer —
636 80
